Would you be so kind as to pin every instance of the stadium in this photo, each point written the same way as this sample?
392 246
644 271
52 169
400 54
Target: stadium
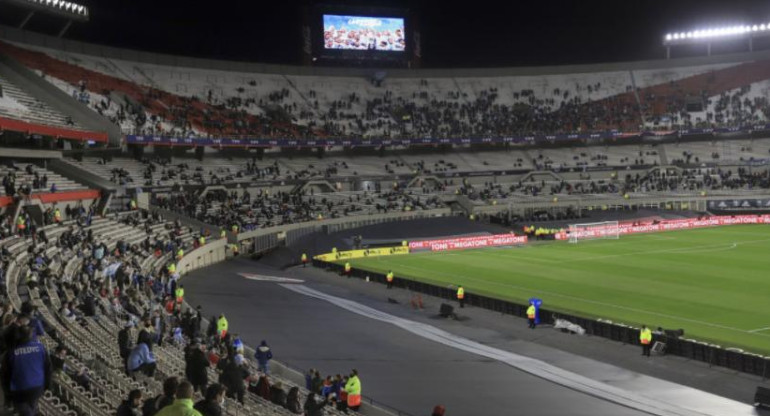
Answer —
362 229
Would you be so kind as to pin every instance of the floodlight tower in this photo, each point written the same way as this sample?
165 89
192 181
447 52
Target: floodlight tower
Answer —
716 34
69 10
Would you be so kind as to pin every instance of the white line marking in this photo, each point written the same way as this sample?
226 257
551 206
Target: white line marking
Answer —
274 279
532 366
760 329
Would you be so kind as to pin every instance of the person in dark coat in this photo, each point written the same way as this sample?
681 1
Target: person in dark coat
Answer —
263 388
278 394
263 356
232 377
314 406
292 401
132 406
196 367
211 405
124 342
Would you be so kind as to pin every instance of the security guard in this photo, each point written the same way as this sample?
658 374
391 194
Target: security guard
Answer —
133 204
234 228
389 278
202 241
180 253
179 294
172 268
645 338
304 259
531 315
222 233
348 268
57 215
461 295
222 326
21 225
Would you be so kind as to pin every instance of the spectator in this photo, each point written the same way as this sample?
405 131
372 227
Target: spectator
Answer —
183 405
170 387
131 406
438 410
232 377
263 356
141 357
196 366
211 405
124 342
278 394
293 402
27 372
314 406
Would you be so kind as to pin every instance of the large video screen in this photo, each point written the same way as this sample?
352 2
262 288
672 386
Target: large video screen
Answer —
363 33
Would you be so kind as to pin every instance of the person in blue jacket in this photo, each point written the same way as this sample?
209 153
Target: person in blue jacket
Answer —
263 356
26 372
141 357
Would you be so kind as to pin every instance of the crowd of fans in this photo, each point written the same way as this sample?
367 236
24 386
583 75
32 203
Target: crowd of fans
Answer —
248 211
111 283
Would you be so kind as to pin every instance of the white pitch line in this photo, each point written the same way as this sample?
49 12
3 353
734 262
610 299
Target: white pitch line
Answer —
760 329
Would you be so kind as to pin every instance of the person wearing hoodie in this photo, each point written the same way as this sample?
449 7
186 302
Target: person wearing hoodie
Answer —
211 405
183 405
132 406
263 356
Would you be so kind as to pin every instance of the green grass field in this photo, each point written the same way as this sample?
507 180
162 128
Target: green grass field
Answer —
713 282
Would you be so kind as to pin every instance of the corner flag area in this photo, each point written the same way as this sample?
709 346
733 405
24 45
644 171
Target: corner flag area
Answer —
711 282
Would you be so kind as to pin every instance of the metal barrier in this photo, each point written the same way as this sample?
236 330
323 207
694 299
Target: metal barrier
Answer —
714 355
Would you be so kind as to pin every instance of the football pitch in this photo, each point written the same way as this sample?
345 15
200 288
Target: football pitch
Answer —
712 282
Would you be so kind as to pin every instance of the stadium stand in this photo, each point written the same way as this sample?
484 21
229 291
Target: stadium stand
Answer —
84 280
185 102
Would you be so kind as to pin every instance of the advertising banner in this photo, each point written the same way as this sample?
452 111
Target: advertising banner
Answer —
495 240
668 225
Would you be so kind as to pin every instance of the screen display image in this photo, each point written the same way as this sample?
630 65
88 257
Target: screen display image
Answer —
364 33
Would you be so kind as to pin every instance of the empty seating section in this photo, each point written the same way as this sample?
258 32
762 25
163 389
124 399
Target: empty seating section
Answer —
19 105
36 178
91 341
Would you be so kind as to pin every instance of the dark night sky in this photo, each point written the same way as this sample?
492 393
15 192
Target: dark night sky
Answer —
455 34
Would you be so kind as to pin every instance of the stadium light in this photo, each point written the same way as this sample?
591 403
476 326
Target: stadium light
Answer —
716 33
710 35
64 8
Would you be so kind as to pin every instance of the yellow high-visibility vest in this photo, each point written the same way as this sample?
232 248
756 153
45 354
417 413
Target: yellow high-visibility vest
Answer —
390 276
304 257
460 293
531 312
179 293
347 267
645 336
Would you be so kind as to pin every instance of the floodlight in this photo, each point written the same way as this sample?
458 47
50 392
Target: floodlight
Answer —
63 8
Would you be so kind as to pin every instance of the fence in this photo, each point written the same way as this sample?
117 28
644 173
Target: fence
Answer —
713 355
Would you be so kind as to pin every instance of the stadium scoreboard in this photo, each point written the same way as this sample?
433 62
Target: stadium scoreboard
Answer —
363 36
